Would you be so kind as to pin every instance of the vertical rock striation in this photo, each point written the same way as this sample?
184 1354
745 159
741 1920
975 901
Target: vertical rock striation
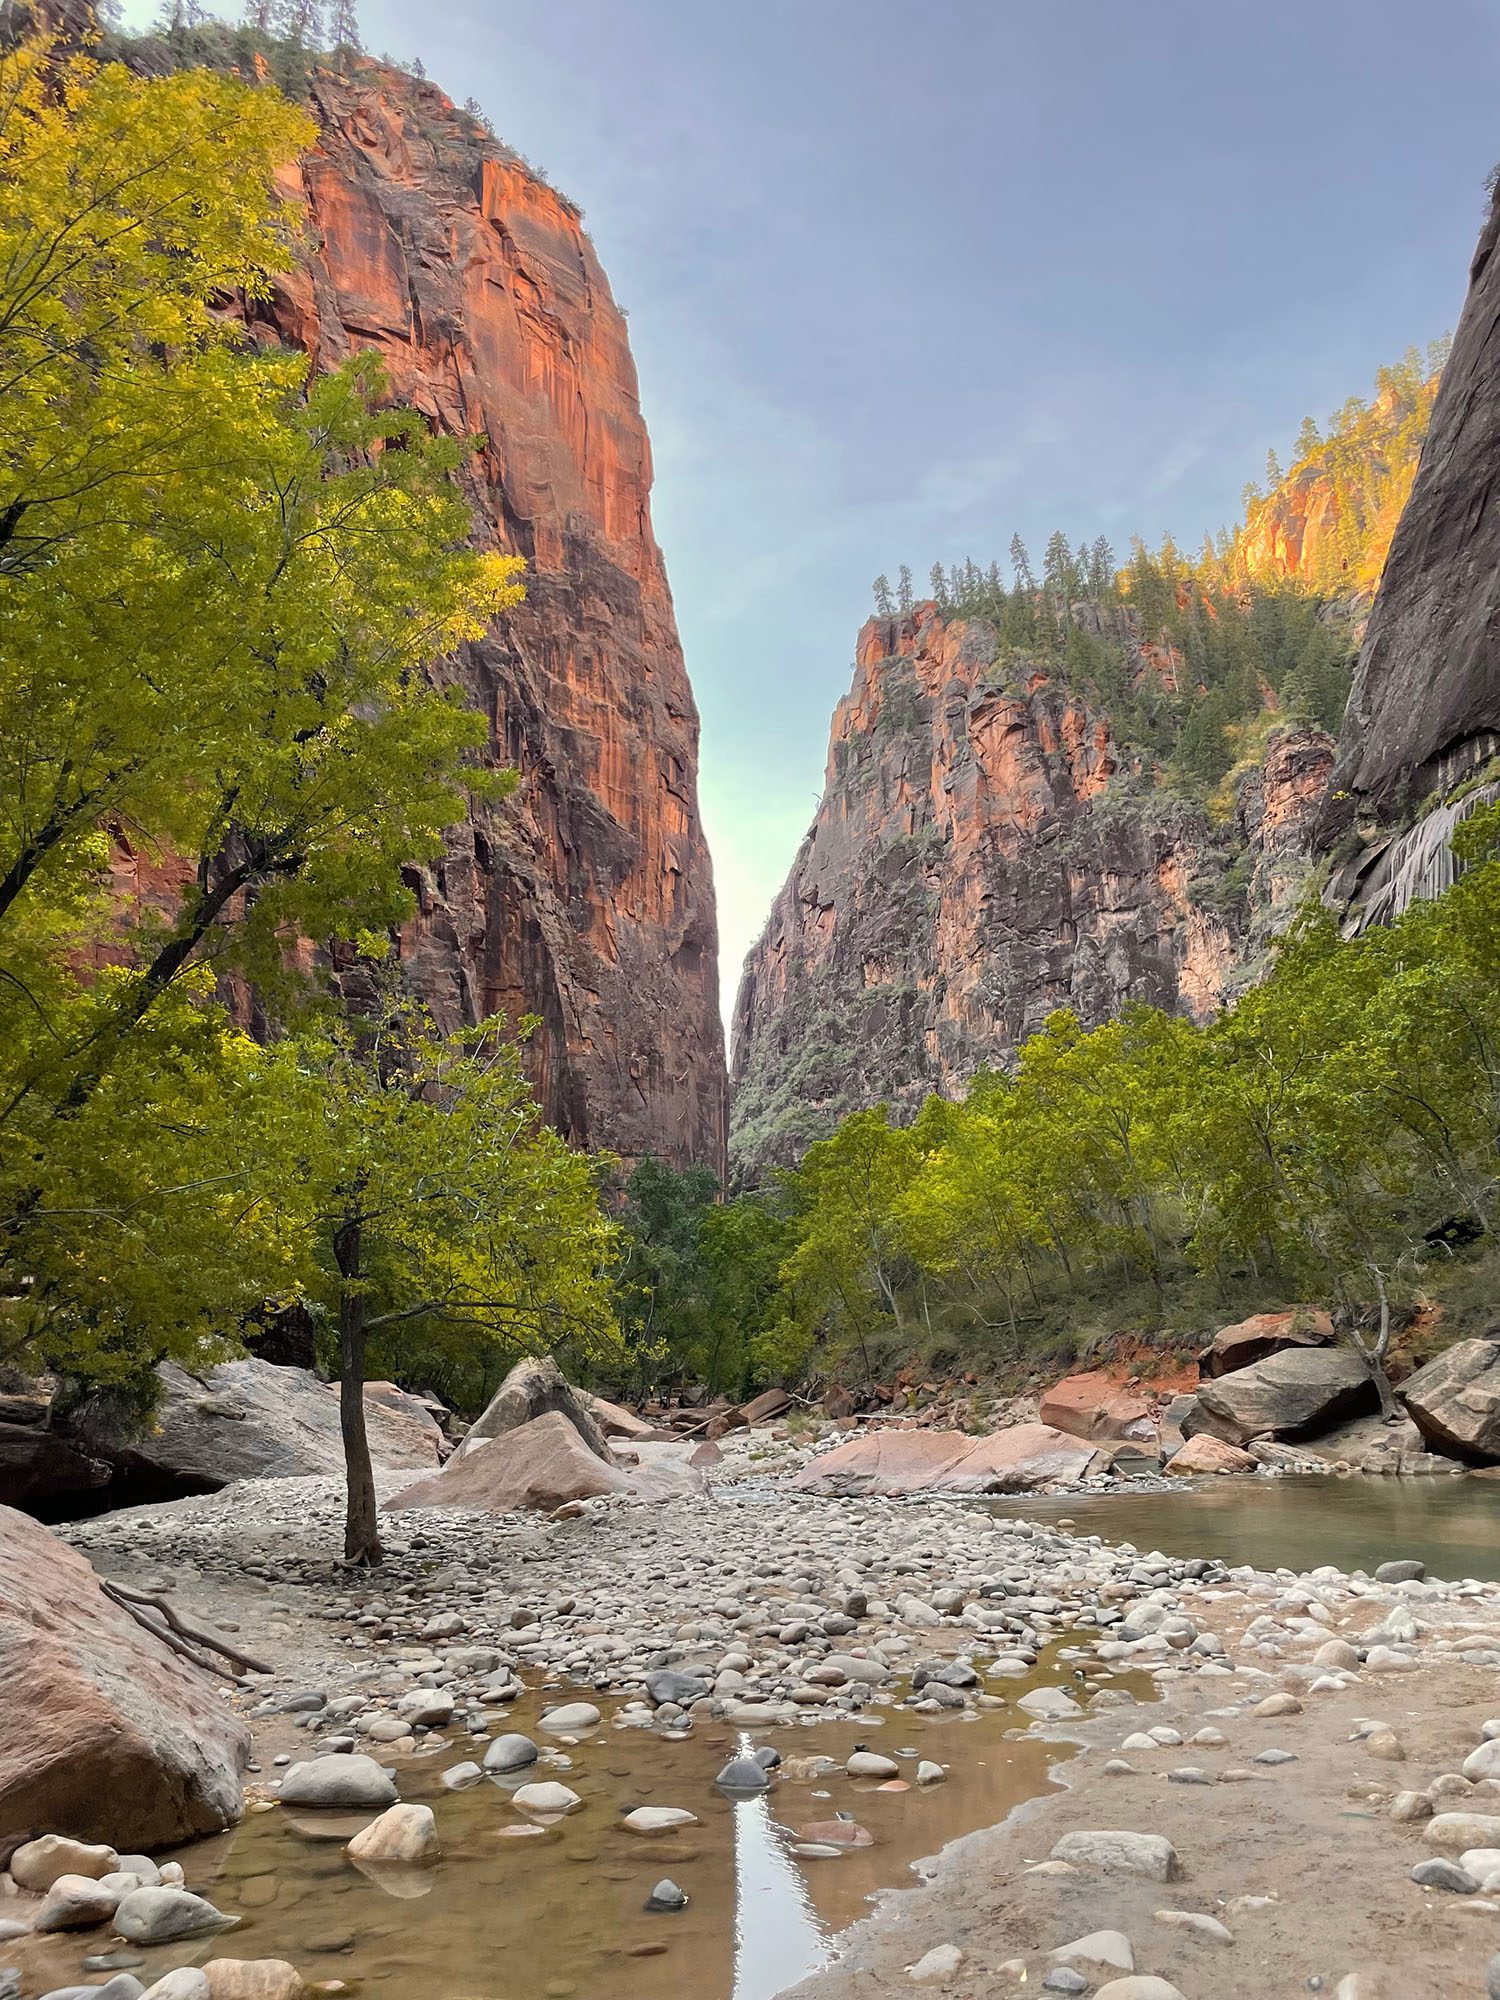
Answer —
587 899
1425 707
983 854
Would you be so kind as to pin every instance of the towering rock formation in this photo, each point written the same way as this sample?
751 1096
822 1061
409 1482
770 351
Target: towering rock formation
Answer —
984 853
587 899
1425 711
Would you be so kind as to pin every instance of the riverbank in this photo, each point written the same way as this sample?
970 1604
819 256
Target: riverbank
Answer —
782 1612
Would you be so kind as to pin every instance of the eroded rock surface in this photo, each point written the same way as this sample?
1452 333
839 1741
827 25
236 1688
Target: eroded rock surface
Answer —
1455 1400
104 1733
1292 1394
984 854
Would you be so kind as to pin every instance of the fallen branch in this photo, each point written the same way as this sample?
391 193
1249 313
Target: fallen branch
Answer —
173 1632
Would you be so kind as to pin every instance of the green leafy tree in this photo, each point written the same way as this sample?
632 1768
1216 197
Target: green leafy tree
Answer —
220 588
421 1192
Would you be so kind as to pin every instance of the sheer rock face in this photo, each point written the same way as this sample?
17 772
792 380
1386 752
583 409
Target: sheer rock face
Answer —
587 899
1425 709
981 857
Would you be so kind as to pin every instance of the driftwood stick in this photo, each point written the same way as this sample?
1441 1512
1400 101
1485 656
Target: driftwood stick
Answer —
176 1633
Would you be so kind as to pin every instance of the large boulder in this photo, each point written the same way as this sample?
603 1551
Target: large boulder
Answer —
1251 1340
614 1420
1016 1460
1206 1453
1296 1393
105 1734
1095 1406
1455 1400
546 1464
536 1387
37 1459
252 1420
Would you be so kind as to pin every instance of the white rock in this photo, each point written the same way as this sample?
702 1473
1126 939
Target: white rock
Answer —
157 1916
37 1864
402 1833
659 1819
1149 1854
1049 1704
1138 1987
1196 1924
1483 1762
548 1799
929 1773
869 1764
1107 1948
337 1782
936 1967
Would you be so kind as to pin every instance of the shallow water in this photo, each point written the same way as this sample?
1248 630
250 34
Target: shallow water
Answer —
1355 1522
542 1916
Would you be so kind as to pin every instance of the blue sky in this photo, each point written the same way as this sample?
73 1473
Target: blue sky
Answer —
902 279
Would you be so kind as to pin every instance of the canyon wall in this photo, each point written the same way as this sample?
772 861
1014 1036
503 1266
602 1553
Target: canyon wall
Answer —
586 899
1425 709
984 853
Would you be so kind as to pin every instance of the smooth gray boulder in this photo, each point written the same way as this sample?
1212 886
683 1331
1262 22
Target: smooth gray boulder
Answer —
1293 1394
250 1419
511 1752
1455 1400
157 1916
537 1387
338 1782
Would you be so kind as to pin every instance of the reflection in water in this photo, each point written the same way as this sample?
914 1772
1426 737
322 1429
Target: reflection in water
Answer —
777 1936
564 1912
1355 1522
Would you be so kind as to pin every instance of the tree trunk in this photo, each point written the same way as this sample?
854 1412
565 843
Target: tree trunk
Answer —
361 1523
1375 1357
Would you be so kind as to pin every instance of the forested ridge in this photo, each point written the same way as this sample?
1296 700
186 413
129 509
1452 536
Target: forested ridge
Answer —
1192 657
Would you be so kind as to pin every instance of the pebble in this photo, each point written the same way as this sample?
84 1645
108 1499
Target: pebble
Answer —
659 1819
1138 1988
666 1896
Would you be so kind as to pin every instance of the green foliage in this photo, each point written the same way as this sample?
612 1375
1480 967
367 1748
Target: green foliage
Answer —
697 1282
226 588
1314 1141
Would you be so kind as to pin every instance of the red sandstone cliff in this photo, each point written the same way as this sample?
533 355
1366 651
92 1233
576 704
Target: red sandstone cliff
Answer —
588 898
983 854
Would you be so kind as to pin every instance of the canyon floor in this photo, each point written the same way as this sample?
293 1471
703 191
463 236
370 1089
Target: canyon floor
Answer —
1281 1751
